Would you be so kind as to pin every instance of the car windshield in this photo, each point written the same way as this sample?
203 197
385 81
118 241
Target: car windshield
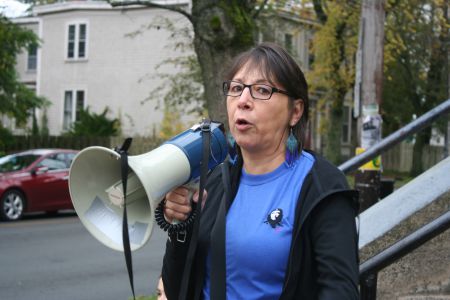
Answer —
16 162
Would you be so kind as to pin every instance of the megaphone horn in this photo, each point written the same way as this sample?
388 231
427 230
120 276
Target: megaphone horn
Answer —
96 188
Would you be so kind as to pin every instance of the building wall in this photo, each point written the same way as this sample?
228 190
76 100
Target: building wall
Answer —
27 76
116 70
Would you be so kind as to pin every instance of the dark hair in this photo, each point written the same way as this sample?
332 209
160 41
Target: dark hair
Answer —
277 66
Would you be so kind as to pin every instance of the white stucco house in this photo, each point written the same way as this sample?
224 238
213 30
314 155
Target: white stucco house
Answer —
93 55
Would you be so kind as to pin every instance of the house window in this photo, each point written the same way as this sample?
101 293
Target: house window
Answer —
82 41
32 58
310 53
73 104
288 44
77 41
346 125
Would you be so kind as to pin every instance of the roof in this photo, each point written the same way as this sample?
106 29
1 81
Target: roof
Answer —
63 6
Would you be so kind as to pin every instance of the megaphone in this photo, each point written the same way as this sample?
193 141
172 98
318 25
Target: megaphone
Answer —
96 188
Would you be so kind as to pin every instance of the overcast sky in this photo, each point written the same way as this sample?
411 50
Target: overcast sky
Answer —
12 8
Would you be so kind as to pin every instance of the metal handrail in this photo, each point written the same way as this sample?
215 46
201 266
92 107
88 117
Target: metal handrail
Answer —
369 269
396 137
405 246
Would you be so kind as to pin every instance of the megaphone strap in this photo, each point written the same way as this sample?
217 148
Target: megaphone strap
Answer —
206 142
123 151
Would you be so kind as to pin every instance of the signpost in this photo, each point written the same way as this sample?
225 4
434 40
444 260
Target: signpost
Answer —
368 93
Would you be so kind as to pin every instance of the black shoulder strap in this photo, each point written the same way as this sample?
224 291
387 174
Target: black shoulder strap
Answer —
123 151
218 255
206 140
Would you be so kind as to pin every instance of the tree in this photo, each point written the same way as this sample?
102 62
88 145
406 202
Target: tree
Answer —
222 29
333 74
16 100
92 124
180 92
416 65
184 90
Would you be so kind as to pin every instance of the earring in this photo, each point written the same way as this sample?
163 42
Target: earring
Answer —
291 149
231 148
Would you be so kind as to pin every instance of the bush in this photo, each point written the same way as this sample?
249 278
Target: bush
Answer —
6 139
92 124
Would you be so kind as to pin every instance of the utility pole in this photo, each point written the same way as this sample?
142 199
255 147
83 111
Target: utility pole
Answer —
368 94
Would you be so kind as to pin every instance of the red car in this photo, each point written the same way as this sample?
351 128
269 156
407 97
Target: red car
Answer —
34 180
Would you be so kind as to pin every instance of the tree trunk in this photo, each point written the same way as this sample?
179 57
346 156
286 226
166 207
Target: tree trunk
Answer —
222 30
422 139
334 133
213 64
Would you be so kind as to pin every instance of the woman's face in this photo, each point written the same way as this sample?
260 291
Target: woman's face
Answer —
260 126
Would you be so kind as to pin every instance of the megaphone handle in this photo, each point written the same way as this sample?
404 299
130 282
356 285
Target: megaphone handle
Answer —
176 227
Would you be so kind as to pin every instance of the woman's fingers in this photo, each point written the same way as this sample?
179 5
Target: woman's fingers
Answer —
195 197
176 207
179 195
172 214
177 204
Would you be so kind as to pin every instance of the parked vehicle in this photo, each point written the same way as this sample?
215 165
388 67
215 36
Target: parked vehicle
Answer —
34 180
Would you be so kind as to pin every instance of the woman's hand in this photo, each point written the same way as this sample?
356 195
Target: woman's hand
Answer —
178 204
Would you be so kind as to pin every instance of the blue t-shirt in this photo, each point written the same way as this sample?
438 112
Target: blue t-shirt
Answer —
259 231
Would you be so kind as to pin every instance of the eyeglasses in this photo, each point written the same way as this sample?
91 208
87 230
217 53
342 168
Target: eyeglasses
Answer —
257 90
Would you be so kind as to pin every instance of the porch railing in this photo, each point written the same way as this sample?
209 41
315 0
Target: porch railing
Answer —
396 137
370 268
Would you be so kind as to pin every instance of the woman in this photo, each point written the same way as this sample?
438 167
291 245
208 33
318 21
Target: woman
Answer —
160 294
290 227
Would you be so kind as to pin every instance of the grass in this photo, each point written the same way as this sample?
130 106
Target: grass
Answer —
400 178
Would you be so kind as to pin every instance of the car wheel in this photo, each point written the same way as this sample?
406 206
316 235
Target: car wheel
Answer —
12 205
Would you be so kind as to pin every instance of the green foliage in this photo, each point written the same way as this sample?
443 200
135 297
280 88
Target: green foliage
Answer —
242 22
416 65
92 124
34 126
44 131
16 100
6 138
335 45
171 124
182 91
215 23
333 72
415 60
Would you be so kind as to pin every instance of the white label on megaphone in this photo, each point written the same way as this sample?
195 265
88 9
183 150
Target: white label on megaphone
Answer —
135 191
108 222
